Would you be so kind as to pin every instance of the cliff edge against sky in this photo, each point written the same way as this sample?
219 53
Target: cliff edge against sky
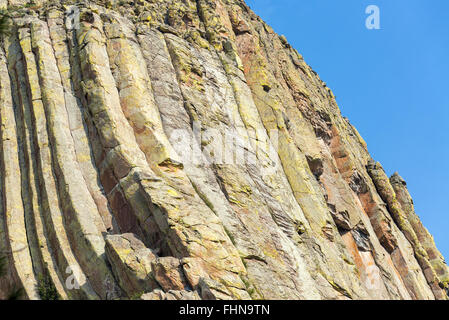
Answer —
174 149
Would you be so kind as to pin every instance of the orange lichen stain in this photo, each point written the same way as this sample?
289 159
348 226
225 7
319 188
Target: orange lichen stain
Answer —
224 18
350 244
367 203
390 262
367 268
339 152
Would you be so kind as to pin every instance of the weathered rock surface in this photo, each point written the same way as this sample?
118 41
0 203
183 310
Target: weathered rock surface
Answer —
131 263
181 149
170 295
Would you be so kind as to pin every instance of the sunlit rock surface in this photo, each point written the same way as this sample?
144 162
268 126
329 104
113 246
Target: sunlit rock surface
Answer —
181 149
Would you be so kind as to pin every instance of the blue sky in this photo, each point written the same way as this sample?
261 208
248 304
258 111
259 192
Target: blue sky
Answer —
391 83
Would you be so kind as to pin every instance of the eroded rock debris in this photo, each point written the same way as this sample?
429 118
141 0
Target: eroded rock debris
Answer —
181 149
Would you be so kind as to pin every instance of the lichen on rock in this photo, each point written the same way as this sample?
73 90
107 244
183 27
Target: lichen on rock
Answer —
182 150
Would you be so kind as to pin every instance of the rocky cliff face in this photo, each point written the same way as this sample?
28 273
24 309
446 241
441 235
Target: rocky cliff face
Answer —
181 149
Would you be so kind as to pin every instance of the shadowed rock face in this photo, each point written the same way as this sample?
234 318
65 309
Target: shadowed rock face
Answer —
180 149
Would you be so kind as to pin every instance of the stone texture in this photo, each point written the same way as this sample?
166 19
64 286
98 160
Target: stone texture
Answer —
169 274
131 263
170 295
182 150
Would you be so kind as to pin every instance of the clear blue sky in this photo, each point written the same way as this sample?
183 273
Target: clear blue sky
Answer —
391 83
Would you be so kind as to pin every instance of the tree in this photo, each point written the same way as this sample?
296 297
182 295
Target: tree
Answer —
2 266
4 23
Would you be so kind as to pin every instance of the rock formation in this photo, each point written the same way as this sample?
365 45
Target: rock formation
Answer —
181 149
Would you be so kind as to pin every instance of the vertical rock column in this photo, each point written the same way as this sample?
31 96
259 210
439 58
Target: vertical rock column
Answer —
43 261
81 215
310 120
211 103
186 224
267 95
75 112
425 238
48 194
388 194
13 211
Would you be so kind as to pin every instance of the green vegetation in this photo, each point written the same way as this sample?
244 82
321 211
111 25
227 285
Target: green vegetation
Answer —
15 294
203 197
252 291
30 4
136 296
46 288
2 266
4 23
231 237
